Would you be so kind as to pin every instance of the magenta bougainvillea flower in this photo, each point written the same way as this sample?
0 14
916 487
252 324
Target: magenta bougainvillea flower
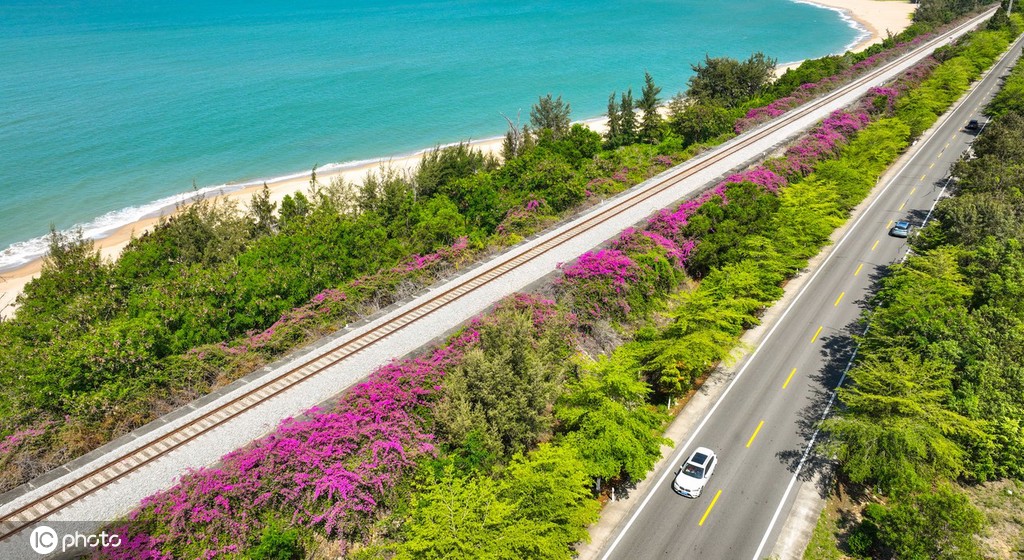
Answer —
327 467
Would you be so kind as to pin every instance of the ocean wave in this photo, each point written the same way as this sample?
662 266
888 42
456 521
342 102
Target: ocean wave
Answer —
24 252
844 14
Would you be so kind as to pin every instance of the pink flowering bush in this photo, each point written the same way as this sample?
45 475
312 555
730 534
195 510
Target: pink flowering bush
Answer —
11 443
633 241
542 310
527 218
283 332
822 143
598 281
329 469
761 176
452 253
669 222
808 91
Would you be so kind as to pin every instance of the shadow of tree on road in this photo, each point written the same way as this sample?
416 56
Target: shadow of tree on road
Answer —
837 349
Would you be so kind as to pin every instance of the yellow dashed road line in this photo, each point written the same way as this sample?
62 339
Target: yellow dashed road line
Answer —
786 384
757 429
708 512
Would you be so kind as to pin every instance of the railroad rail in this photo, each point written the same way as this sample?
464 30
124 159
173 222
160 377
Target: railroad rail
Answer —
74 490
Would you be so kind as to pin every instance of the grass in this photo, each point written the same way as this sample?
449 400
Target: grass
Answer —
823 544
1002 502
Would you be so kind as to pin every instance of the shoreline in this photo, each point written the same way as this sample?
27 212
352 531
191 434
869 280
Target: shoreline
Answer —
869 15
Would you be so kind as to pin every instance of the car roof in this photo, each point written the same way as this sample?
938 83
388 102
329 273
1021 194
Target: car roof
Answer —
901 223
700 456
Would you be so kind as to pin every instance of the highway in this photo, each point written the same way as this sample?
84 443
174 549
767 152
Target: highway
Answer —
762 425
110 481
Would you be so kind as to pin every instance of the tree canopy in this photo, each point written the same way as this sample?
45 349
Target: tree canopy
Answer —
729 82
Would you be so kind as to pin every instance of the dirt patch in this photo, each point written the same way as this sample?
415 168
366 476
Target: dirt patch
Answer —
1002 502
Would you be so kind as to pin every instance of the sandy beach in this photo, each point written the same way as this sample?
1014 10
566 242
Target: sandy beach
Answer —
879 17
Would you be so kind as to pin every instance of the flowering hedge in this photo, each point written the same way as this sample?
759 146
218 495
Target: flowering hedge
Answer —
820 144
599 282
806 92
328 469
332 469
607 283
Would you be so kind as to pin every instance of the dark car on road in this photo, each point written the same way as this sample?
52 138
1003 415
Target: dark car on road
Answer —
973 126
900 229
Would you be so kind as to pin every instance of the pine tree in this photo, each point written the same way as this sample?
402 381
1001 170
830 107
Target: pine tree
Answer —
627 118
550 114
650 127
513 145
262 220
613 133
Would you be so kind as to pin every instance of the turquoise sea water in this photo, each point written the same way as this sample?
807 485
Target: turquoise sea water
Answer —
107 106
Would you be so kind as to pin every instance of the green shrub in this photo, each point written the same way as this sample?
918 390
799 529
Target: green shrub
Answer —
278 543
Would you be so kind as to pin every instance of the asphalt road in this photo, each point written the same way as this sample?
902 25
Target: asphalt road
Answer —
763 424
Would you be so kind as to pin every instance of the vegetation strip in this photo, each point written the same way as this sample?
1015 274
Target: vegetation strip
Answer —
479 450
933 407
423 428
101 477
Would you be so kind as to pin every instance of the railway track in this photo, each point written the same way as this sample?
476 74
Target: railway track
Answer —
72 491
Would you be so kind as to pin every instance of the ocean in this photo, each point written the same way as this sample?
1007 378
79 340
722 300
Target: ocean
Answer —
110 108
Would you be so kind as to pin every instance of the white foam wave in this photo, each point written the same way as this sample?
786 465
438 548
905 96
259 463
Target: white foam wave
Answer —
23 252
844 14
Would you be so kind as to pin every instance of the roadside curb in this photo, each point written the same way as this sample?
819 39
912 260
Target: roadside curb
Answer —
803 516
809 502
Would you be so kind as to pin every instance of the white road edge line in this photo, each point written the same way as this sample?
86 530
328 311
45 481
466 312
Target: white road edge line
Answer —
831 400
803 458
800 465
682 449
739 374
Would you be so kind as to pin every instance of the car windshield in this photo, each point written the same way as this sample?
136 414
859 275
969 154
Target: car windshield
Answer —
693 470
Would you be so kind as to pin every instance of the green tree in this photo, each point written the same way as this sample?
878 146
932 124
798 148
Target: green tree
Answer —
71 267
278 542
698 122
650 125
441 167
627 119
438 222
262 219
728 82
550 487
605 416
550 114
294 208
614 132
538 508
464 517
937 525
503 389
896 430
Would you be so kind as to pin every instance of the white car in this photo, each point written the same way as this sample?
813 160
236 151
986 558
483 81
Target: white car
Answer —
695 473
